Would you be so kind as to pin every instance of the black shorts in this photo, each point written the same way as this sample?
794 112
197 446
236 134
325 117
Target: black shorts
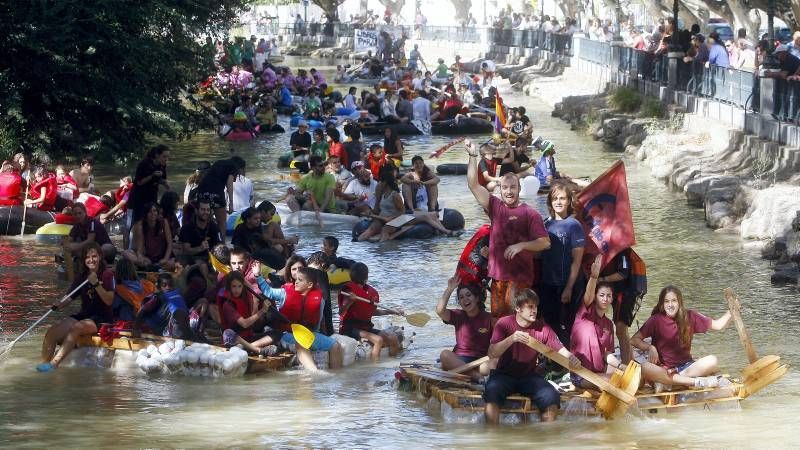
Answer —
499 386
625 307
354 332
467 359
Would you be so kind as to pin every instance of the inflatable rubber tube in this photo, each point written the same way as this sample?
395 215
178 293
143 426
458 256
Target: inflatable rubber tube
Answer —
11 219
54 229
360 227
338 276
451 169
419 231
239 136
284 160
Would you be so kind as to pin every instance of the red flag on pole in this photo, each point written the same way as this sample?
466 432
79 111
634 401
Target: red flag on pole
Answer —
604 210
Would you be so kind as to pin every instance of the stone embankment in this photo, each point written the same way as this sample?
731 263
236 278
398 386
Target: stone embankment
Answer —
745 185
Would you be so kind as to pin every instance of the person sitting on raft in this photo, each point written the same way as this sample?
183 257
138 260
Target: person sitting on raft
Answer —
320 145
376 158
165 313
250 235
358 197
95 287
11 191
86 231
592 336
342 175
388 206
273 232
335 147
43 191
473 327
545 169
312 102
267 118
388 111
318 263
118 198
392 145
129 291
671 327
241 316
330 245
420 177
358 302
487 168
67 188
314 191
152 242
515 372
300 142
200 234
83 175
301 303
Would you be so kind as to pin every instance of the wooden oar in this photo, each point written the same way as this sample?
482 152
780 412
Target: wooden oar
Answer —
734 306
611 408
469 366
8 347
416 319
440 151
24 207
760 373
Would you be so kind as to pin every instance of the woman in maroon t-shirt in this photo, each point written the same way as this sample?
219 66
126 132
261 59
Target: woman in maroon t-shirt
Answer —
473 327
95 287
671 327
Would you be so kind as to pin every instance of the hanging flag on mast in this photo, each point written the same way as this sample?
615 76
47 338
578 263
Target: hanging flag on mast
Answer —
500 118
604 210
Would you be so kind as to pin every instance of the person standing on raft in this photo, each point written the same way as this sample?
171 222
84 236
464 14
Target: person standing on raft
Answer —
517 232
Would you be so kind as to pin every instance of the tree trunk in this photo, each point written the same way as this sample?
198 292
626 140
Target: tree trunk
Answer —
462 9
329 7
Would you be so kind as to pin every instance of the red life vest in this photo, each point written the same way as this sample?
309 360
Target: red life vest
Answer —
243 306
94 206
10 189
359 314
473 267
50 192
491 166
302 309
67 187
120 193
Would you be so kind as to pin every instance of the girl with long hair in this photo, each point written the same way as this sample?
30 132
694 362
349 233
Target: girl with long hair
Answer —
671 327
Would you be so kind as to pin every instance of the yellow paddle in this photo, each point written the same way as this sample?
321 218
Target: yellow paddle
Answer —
419 319
303 336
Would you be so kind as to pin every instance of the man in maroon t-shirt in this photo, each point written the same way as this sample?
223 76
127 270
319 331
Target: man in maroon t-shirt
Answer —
517 361
517 232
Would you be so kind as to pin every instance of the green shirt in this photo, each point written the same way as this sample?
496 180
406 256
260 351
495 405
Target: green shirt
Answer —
319 186
320 149
441 71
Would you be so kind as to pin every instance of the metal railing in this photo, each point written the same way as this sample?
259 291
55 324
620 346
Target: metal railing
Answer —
595 51
786 100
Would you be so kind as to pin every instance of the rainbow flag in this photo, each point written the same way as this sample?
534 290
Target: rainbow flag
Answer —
500 118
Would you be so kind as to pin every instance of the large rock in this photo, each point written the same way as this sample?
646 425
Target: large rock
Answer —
719 200
771 212
785 274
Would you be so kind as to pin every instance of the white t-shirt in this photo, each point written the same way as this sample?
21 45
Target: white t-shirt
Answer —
343 176
350 101
359 190
242 193
490 67
422 109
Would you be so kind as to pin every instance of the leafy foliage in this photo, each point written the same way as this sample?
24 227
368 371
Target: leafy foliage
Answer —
625 99
99 76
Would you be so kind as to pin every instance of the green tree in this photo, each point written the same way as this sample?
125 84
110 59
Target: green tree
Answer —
101 76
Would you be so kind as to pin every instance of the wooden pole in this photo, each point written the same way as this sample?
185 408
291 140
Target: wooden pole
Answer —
734 306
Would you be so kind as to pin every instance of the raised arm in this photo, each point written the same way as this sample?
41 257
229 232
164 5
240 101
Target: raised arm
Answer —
441 307
721 322
481 194
591 285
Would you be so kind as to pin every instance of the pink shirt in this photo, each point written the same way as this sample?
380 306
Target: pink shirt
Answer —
511 226
520 360
592 338
664 333
472 333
